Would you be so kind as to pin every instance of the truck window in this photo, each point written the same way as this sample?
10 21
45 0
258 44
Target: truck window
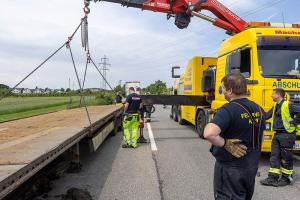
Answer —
279 56
245 67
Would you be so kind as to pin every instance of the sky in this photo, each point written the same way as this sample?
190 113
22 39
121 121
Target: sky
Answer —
141 45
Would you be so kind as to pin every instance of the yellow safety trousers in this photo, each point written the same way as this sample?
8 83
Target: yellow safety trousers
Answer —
131 122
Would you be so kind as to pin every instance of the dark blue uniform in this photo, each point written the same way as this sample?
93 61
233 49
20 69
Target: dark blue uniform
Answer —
134 101
118 99
282 143
131 120
234 178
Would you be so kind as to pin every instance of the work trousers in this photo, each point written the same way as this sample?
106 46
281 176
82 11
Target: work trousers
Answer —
233 182
148 111
281 160
131 122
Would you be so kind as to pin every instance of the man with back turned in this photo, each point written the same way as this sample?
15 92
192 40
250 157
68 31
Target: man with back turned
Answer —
235 133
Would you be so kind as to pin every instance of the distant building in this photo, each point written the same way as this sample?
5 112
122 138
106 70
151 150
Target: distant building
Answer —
38 90
35 91
26 91
57 91
93 89
48 91
17 91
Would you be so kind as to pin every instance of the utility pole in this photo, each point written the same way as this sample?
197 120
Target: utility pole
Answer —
70 83
104 67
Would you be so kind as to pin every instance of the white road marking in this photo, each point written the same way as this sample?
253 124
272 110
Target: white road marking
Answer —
151 137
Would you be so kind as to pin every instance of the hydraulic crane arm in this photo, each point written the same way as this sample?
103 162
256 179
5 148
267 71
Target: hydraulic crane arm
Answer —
184 9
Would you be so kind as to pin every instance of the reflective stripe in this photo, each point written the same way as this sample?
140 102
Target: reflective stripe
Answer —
286 171
274 170
286 117
132 114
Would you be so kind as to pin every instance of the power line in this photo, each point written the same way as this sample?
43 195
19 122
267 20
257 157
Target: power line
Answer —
262 7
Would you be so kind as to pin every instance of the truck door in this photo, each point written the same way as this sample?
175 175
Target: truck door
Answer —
240 61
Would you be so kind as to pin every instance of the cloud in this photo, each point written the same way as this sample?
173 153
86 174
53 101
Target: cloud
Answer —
141 45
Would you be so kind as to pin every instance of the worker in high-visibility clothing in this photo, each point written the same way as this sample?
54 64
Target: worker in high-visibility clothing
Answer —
286 120
131 119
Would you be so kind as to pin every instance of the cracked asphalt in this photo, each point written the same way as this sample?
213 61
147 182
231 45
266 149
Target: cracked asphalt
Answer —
181 168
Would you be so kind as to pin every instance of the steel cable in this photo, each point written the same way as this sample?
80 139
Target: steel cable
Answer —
101 75
76 72
84 77
39 66
46 60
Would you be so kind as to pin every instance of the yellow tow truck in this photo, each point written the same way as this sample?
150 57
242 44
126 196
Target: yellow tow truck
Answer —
267 56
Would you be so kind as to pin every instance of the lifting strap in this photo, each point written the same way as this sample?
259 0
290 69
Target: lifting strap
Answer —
256 127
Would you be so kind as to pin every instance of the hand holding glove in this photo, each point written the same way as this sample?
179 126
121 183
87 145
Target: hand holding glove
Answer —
235 148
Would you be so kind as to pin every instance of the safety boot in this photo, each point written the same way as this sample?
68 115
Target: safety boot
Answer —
283 181
126 146
269 181
141 139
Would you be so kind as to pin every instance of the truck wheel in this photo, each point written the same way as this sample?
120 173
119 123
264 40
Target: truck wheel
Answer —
171 114
200 123
175 115
114 132
118 126
180 120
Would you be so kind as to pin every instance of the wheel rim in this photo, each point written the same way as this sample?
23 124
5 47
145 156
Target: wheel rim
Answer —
179 115
174 114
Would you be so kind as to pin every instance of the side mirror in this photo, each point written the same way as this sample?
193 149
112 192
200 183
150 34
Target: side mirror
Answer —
173 72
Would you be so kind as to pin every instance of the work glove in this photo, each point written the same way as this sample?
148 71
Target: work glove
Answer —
235 148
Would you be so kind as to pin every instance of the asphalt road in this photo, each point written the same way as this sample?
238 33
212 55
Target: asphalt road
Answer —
181 168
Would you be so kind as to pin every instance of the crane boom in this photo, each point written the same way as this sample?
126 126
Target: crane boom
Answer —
183 10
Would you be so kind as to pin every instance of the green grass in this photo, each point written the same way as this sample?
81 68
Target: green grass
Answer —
30 113
20 107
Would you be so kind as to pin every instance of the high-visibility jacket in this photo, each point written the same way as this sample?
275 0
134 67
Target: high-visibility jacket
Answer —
286 118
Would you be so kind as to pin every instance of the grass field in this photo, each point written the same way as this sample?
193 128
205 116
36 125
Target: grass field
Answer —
20 107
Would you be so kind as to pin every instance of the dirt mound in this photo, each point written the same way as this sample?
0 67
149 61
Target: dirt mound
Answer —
77 194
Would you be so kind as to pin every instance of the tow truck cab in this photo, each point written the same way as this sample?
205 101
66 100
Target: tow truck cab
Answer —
269 58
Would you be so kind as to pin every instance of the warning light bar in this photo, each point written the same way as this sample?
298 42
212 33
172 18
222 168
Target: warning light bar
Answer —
274 25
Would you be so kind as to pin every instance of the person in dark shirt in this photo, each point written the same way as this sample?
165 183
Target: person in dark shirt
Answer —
118 98
286 118
131 118
236 134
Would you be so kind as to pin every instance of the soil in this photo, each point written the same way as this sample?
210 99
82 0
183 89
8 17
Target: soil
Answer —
77 194
47 123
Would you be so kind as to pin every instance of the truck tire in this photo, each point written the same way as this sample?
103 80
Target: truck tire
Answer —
180 120
175 113
200 123
114 132
171 113
118 126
